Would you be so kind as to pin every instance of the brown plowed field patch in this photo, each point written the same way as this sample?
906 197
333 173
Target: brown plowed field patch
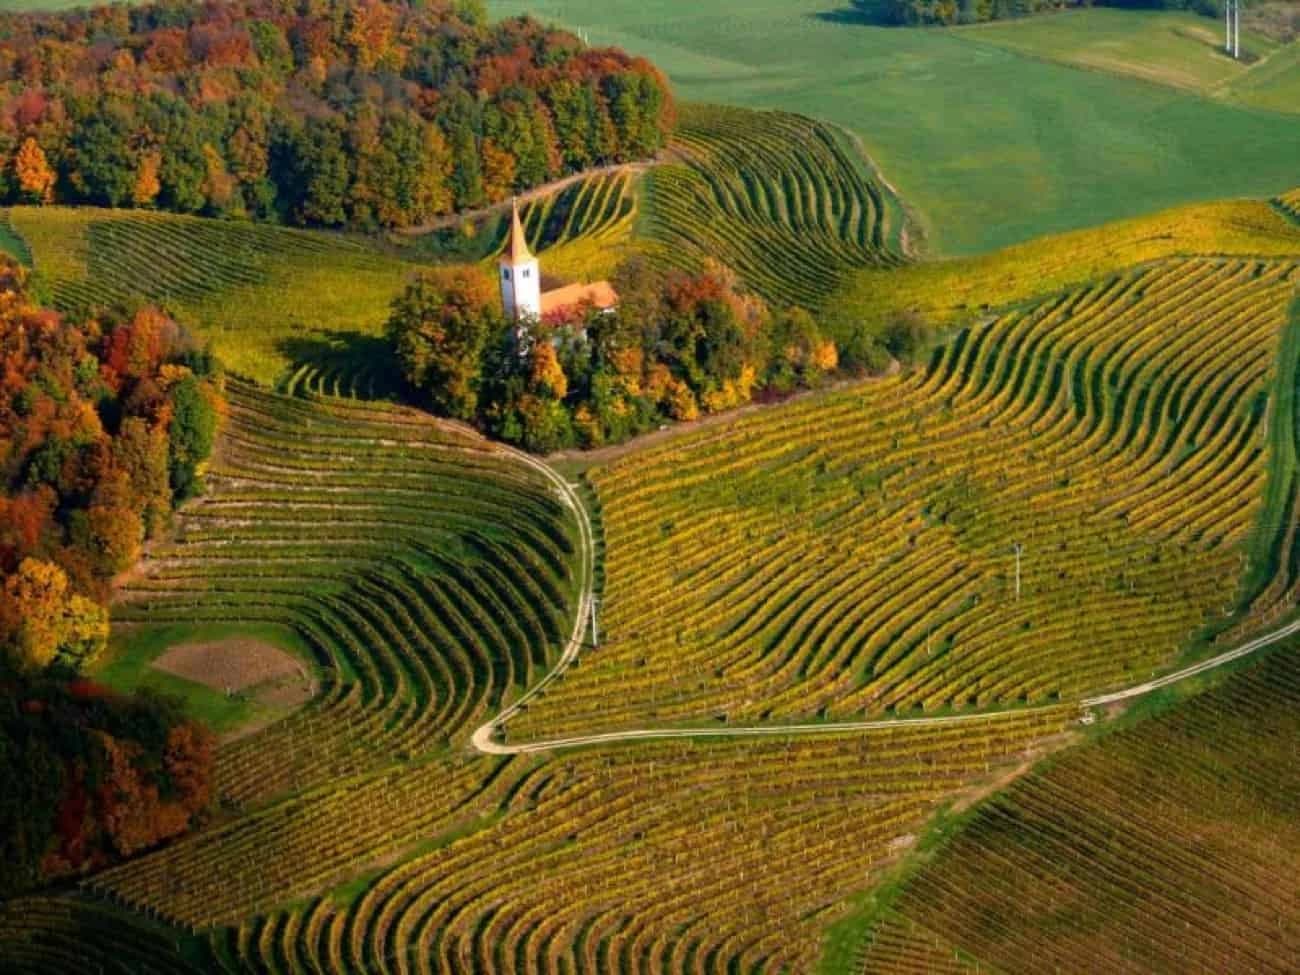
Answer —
233 664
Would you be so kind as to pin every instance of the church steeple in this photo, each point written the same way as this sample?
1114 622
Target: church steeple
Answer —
517 250
521 279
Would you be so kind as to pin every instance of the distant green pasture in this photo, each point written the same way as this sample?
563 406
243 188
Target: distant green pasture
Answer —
992 145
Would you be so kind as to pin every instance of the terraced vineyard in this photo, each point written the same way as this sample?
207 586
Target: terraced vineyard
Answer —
960 292
670 857
1169 847
429 571
1290 202
575 226
66 934
583 216
784 201
852 554
267 297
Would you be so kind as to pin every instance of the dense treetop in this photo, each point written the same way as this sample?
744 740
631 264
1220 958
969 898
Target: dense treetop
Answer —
91 777
324 112
913 12
104 423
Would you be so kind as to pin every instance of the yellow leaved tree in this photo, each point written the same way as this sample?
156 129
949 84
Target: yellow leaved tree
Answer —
42 619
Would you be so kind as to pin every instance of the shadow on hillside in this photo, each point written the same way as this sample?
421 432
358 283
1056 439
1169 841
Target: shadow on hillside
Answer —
862 13
349 364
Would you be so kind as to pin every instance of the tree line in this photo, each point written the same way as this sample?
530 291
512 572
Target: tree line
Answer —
104 426
947 12
678 346
336 113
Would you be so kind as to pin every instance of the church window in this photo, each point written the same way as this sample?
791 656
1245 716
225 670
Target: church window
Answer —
505 273
525 272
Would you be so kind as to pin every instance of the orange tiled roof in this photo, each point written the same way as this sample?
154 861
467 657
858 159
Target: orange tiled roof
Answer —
600 293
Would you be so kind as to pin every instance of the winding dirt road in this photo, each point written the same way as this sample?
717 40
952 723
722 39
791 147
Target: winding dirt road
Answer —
485 737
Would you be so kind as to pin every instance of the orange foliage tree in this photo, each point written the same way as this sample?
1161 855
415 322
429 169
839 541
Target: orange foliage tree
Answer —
35 175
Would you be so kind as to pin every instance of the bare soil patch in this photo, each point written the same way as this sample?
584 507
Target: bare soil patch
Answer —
233 664
1031 757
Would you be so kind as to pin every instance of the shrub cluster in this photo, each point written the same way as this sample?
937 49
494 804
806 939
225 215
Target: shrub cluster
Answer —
361 113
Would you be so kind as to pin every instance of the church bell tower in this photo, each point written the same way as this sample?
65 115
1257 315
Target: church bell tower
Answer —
521 281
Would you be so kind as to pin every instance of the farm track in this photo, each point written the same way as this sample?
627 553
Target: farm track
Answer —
1223 281
1067 421
527 196
482 738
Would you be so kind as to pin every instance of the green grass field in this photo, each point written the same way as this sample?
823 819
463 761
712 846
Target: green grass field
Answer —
1175 48
1273 84
127 666
962 290
991 146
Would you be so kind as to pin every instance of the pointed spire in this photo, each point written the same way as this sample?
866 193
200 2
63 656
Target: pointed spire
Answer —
517 249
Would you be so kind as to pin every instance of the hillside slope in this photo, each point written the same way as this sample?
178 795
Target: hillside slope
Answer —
1116 432
1168 847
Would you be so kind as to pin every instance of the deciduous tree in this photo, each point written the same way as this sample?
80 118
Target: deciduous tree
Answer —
42 619
35 175
439 327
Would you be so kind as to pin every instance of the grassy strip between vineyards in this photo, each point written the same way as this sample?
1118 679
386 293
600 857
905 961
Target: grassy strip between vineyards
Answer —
1117 432
958 292
726 856
1271 582
1159 848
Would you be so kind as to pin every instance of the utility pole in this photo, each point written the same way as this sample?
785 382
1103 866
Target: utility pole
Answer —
1019 549
1232 28
1236 29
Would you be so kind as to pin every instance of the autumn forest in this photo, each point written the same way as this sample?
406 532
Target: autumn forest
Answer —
328 114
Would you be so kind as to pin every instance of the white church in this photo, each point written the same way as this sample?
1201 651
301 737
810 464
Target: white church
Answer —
521 283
